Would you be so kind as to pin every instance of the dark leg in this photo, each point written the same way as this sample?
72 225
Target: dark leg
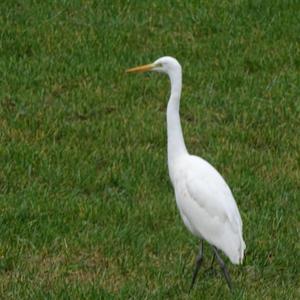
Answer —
212 261
199 260
211 268
223 267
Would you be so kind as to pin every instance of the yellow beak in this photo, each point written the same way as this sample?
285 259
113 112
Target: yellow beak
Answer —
141 69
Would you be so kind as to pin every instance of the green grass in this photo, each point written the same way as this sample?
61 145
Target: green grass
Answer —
86 207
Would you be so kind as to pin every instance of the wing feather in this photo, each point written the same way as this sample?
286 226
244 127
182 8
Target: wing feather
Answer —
209 205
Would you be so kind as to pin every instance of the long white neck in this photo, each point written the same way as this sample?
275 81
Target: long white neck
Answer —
176 145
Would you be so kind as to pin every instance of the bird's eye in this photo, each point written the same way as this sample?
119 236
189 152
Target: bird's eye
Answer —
159 65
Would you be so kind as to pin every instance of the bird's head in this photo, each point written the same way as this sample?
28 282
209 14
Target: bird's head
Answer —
165 64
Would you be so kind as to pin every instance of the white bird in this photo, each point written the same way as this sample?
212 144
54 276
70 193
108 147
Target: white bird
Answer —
204 200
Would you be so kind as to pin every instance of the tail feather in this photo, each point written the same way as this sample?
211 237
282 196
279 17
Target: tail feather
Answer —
242 249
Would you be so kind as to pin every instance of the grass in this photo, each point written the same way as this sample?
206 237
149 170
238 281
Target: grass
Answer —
86 207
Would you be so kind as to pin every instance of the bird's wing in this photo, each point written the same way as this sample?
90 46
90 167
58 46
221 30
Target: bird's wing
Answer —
207 203
209 190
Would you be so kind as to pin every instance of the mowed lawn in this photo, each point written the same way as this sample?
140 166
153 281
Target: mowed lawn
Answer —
86 207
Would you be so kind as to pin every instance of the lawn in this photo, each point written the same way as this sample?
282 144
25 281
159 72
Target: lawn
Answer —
86 206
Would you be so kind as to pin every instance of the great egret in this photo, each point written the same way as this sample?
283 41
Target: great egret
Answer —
204 200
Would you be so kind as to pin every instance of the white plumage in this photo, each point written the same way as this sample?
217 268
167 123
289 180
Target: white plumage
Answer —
204 200
207 206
